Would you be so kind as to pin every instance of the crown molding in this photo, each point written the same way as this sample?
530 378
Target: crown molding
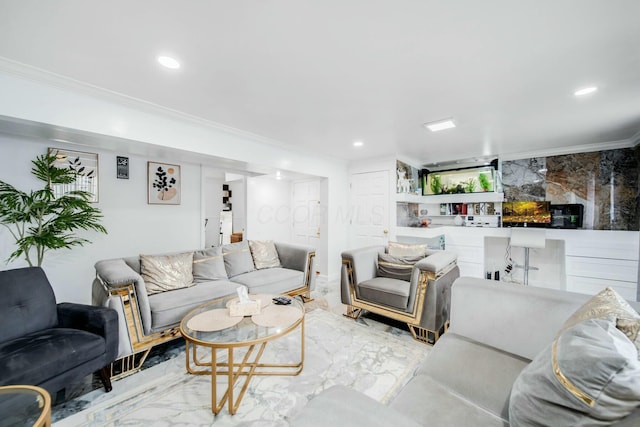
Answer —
583 148
49 78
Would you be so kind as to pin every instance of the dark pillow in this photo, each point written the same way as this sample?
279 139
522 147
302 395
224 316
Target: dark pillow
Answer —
237 258
396 267
208 265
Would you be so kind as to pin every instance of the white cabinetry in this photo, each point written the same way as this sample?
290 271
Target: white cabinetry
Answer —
597 259
592 259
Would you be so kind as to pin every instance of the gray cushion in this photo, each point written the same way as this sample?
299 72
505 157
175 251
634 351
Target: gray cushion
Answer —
271 280
208 265
396 267
431 404
168 308
339 406
264 254
237 258
163 273
590 375
487 377
386 291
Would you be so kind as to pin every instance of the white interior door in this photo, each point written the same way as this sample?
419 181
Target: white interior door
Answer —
370 208
306 213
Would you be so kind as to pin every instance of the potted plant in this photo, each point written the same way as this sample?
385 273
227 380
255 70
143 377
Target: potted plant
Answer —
485 184
435 184
40 222
470 185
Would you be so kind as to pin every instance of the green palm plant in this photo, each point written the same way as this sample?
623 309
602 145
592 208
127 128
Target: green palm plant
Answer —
40 222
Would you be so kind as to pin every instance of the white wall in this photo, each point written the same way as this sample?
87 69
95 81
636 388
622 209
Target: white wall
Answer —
239 204
268 209
133 226
29 94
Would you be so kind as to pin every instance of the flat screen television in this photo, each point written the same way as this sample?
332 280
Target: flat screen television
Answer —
531 213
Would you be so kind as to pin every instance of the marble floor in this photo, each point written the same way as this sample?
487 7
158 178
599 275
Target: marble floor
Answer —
326 297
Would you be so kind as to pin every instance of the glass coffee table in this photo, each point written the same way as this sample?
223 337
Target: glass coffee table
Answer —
24 405
210 326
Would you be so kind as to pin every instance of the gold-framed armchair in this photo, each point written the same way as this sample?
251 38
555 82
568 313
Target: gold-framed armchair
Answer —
423 302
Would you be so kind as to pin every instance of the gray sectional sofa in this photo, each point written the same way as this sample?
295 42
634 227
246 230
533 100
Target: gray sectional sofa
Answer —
467 379
149 315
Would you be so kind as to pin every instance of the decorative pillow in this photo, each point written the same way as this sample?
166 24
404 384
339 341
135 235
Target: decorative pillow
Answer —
590 375
208 265
166 272
237 258
264 254
608 304
406 250
396 267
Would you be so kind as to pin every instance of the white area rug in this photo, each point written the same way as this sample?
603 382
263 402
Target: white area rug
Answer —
337 351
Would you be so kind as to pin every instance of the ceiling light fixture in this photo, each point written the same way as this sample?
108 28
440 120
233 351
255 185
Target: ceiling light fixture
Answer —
440 125
358 144
585 91
168 62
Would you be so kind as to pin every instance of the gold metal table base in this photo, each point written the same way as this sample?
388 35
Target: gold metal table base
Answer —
233 371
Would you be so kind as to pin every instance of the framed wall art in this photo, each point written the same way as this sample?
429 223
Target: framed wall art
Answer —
85 164
122 167
163 181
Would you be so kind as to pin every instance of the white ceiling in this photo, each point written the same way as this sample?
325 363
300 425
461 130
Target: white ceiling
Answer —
321 74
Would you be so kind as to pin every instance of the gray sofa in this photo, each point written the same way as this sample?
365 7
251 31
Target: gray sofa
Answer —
147 320
496 330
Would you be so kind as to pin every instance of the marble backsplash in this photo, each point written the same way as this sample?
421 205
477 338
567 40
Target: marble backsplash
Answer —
605 182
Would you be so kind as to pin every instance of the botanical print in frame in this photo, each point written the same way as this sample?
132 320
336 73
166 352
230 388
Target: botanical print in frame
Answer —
85 164
163 182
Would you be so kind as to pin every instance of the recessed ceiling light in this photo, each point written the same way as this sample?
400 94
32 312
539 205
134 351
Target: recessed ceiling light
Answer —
168 62
358 144
585 91
440 125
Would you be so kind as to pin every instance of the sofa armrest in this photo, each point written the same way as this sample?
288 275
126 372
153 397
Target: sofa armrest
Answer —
437 262
300 258
294 257
101 321
113 273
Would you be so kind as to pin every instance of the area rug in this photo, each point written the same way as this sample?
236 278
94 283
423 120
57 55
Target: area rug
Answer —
337 351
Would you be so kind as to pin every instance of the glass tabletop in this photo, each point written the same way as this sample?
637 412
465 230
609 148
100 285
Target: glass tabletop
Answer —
211 324
24 406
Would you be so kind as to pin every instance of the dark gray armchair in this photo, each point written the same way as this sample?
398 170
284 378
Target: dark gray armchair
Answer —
423 302
47 344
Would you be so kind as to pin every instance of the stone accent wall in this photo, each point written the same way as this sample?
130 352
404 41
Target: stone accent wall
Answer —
605 182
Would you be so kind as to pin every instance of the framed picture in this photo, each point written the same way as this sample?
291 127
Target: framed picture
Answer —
85 164
163 182
122 167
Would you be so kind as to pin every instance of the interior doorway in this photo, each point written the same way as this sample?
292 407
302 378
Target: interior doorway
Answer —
369 208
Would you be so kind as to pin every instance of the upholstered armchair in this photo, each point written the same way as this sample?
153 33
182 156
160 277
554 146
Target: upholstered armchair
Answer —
47 344
421 297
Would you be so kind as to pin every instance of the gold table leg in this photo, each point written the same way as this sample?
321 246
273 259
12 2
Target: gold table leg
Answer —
233 370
